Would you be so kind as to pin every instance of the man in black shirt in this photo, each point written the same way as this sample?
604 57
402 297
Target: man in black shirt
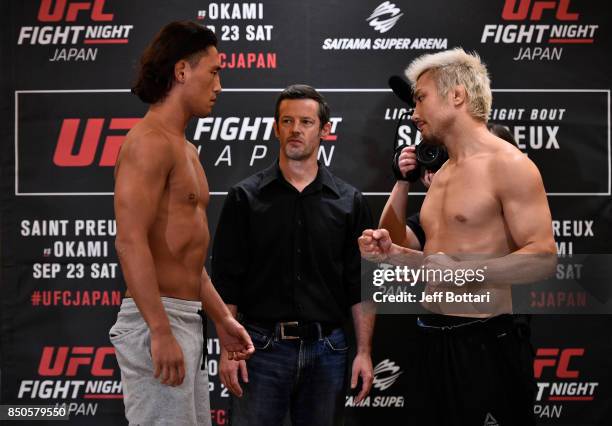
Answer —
285 257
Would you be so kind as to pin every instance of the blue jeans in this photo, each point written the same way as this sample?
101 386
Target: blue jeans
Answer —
300 379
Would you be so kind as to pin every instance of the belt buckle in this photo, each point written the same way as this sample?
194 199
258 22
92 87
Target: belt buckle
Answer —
282 330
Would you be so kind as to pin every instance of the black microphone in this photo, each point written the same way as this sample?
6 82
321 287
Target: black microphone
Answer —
402 89
430 157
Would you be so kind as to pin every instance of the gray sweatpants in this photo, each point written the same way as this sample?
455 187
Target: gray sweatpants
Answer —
147 401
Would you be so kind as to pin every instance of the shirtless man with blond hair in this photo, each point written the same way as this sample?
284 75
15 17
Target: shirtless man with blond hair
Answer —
161 195
486 206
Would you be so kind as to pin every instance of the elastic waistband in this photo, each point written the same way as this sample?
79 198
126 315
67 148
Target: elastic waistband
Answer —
189 306
439 322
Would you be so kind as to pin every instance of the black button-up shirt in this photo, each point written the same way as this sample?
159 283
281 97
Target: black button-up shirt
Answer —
279 254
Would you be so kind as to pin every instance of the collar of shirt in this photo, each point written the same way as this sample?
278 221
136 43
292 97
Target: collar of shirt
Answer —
324 178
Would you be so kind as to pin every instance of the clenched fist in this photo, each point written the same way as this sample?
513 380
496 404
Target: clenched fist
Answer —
375 244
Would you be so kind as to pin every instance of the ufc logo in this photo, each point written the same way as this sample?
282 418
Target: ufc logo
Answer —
68 361
512 13
548 357
55 10
67 140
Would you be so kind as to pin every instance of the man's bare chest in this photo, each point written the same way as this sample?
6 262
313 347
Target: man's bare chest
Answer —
460 200
187 184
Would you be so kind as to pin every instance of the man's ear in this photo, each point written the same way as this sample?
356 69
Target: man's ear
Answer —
275 127
325 130
180 69
459 95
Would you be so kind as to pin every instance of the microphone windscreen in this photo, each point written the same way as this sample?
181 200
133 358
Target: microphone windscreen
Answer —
401 88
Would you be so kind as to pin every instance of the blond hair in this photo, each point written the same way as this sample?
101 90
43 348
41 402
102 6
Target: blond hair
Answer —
455 67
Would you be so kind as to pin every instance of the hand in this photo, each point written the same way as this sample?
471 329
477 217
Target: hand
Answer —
362 366
234 339
441 262
375 245
168 361
228 373
407 160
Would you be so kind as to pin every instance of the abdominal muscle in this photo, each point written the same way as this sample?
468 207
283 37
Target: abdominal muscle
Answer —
497 243
179 243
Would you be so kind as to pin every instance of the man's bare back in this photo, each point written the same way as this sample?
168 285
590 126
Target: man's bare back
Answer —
179 236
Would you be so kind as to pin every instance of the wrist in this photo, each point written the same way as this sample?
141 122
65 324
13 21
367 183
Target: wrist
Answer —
224 318
402 189
159 330
364 351
393 250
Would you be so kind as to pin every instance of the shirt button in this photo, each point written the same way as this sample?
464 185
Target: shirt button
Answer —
299 222
299 250
298 277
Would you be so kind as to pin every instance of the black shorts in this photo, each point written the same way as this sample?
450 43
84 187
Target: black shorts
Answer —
474 372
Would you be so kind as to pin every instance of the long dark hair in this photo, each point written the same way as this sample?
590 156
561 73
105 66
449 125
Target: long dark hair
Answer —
176 41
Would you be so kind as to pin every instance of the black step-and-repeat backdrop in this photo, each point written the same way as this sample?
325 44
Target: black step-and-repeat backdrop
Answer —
66 69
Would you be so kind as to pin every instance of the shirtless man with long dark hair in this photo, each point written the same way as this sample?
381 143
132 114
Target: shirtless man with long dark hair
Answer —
161 195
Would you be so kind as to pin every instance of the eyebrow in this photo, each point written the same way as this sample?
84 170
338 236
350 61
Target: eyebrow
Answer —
416 94
301 117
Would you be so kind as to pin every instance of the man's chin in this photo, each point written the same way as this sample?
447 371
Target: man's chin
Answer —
432 140
203 113
296 155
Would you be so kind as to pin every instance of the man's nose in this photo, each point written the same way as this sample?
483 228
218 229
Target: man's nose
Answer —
217 89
